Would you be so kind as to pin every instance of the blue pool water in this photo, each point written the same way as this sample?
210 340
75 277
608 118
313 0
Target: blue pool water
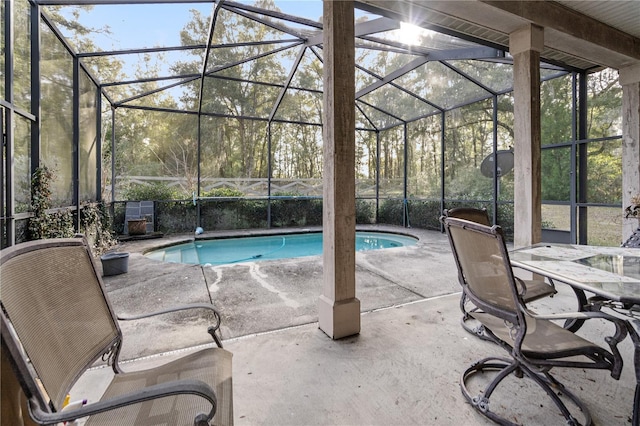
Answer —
251 249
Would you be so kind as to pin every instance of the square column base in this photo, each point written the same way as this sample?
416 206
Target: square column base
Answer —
339 319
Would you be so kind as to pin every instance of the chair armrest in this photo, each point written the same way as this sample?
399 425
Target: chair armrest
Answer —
622 329
576 315
178 387
211 330
620 324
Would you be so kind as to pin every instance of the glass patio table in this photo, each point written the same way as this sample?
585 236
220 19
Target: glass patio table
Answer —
612 274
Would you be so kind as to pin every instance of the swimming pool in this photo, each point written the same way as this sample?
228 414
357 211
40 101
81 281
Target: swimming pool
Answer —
283 246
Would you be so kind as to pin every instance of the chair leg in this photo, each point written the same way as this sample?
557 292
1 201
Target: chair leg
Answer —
549 383
505 367
478 330
481 401
574 324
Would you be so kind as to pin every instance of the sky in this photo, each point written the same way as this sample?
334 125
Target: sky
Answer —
148 25
139 26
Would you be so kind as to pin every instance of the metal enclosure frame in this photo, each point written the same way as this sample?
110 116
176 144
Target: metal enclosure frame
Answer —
365 32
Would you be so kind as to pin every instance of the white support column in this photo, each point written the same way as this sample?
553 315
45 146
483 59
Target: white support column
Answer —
339 309
630 81
525 46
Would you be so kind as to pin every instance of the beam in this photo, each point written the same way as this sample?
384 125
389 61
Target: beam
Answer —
456 54
525 46
283 92
572 39
630 81
363 29
554 16
338 307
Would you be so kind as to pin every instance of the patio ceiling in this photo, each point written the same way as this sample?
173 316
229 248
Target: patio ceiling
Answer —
584 34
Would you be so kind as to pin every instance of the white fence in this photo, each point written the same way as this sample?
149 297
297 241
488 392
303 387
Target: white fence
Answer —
259 187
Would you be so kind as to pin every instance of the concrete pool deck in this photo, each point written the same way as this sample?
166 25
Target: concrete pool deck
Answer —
402 369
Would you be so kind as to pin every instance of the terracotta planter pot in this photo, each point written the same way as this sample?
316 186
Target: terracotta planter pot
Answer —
137 226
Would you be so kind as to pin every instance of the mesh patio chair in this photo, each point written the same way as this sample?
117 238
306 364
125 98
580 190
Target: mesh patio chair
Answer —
535 343
57 321
532 288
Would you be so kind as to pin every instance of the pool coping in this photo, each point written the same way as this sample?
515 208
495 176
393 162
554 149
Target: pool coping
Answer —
239 233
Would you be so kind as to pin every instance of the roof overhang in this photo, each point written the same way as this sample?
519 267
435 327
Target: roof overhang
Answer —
570 37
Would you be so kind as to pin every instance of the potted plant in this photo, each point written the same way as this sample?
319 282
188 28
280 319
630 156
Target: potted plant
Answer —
634 209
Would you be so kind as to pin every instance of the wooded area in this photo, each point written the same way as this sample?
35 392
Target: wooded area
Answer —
241 123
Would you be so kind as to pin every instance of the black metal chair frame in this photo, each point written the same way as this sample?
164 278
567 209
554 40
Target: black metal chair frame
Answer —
479 215
511 321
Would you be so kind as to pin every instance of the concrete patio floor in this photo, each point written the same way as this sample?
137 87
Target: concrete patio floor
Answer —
402 369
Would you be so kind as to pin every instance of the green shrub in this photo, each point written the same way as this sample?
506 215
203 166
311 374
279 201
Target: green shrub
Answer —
365 211
296 211
119 210
44 224
390 212
176 216
152 191
96 226
505 220
61 225
223 192
424 214
254 213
